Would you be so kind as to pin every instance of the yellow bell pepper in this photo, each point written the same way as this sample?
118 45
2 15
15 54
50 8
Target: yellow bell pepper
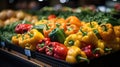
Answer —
106 47
72 40
24 40
100 47
100 44
75 54
15 39
91 26
41 22
34 36
30 38
88 37
106 32
114 44
117 31
118 40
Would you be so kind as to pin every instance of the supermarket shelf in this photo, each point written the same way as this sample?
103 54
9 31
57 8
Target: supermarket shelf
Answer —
41 60
22 59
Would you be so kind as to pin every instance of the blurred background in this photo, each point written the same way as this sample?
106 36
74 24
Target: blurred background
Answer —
38 4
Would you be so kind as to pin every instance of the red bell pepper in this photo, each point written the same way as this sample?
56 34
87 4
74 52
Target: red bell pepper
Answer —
92 52
22 28
49 49
52 16
56 50
88 51
60 51
41 46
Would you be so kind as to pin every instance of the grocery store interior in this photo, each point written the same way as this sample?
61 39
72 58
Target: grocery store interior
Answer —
59 33
38 4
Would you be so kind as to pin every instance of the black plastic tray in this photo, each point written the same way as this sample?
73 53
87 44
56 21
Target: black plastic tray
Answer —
111 59
19 49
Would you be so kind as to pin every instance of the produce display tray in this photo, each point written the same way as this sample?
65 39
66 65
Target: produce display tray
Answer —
111 59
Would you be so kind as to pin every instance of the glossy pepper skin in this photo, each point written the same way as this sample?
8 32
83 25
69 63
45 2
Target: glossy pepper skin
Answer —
49 48
114 44
75 54
56 50
34 36
22 28
100 44
30 38
73 40
48 28
57 35
60 51
88 51
61 23
71 29
92 52
73 20
43 21
51 16
102 48
117 31
91 26
24 40
88 37
15 39
41 45
106 32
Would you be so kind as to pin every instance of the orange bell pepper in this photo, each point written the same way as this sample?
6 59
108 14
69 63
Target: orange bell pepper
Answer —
74 20
61 23
48 28
71 29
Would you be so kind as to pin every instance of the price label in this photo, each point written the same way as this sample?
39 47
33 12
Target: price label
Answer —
3 44
27 52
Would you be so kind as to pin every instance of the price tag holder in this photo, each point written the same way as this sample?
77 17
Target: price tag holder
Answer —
28 53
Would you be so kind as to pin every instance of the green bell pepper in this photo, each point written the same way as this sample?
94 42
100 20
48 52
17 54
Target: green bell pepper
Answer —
57 35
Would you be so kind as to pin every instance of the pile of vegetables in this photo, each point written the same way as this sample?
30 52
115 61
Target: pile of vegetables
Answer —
10 16
70 38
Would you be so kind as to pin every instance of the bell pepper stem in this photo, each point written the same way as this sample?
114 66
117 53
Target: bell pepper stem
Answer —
79 58
69 29
31 35
58 25
97 49
71 42
50 49
47 28
104 27
91 25
41 45
97 33
22 37
83 33
108 49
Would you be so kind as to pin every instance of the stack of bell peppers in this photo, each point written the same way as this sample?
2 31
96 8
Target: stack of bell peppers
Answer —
68 39
26 36
54 49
